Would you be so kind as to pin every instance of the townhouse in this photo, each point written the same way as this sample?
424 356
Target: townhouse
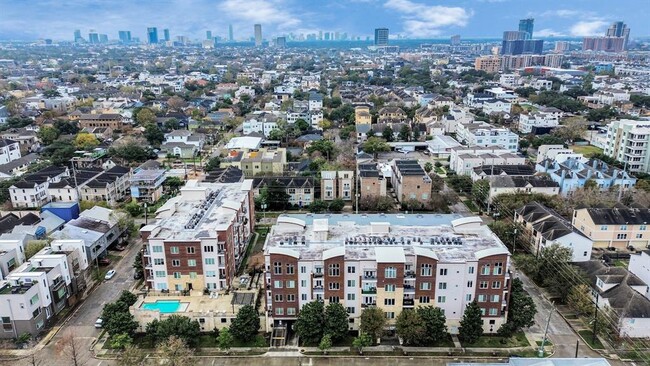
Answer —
573 173
301 190
464 159
410 181
393 262
537 122
9 151
337 184
183 143
146 185
484 134
371 182
619 228
271 161
199 237
32 190
526 184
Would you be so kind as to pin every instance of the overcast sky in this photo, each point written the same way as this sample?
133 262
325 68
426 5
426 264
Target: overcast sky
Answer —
57 19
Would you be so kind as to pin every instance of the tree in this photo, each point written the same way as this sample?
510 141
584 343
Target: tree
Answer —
409 327
521 307
173 183
362 341
145 117
225 339
212 164
471 325
274 195
311 322
175 352
345 132
590 184
33 247
246 325
325 343
428 167
388 134
121 341
182 327
302 125
137 264
375 145
85 141
325 147
405 133
153 134
51 93
133 208
131 356
481 191
571 129
433 320
373 321
336 321
120 323
128 297
172 124
130 151
336 205
176 103
579 299
47 134
70 348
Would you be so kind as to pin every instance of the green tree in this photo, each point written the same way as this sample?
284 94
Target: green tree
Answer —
387 134
336 205
129 151
590 184
153 134
47 134
310 324
182 327
325 343
375 145
325 147
481 190
120 323
173 183
121 341
225 339
246 325
274 195
434 322
137 265
345 132
145 117
521 307
66 127
409 327
405 133
373 321
428 167
579 299
172 124
51 93
33 247
362 341
302 125
471 325
212 164
336 322
133 208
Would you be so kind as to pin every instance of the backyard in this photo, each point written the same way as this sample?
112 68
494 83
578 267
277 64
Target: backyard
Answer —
586 150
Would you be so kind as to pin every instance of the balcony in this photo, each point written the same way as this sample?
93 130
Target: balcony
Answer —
408 289
364 305
369 276
318 274
409 275
369 291
408 302
319 289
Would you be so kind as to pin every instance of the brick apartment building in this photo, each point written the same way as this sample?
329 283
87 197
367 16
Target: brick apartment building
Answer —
410 181
394 262
199 238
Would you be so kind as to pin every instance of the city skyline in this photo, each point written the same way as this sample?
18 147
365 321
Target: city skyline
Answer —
405 18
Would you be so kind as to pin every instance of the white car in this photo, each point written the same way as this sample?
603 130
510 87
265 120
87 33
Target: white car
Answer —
109 274
99 323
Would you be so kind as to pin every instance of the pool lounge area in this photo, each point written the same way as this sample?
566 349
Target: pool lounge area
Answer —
165 306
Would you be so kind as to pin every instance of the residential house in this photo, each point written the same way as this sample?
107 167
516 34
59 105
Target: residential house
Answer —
574 173
337 185
147 184
484 134
270 161
495 106
614 227
26 137
640 266
391 115
628 141
410 181
371 182
538 122
4 115
362 115
32 190
301 190
110 186
9 151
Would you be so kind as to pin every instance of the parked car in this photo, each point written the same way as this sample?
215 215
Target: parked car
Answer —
99 323
109 274
104 261
137 275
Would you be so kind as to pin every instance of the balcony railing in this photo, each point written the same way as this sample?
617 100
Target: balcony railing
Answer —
369 291
364 305
409 274
409 288
408 302
318 274
369 276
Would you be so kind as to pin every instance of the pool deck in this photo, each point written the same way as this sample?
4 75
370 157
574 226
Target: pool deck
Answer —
196 303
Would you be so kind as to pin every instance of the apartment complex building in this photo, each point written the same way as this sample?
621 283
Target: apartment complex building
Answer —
490 64
336 184
199 237
254 162
484 134
464 159
113 121
9 151
410 181
614 227
628 141
394 262
371 182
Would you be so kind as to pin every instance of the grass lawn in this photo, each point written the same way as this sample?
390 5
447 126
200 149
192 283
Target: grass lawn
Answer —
587 150
259 341
493 341
206 340
587 336
445 342
547 343
470 205
621 263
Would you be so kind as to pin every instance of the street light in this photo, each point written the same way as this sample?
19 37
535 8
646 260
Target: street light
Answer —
264 206
514 241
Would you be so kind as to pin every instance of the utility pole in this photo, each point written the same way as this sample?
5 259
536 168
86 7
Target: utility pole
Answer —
620 186
593 336
548 322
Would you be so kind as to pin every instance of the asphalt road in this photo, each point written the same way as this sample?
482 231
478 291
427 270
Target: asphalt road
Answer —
82 323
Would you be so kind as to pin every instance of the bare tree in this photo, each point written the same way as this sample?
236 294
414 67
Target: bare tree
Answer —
175 352
72 349
131 356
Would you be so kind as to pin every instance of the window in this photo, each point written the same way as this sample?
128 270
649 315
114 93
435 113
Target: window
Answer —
470 283
621 236
177 275
481 298
351 296
485 270
425 286
390 315
443 271
193 275
303 297
277 284
498 269
639 236
161 274
390 272
442 286
642 227
496 284
424 299
470 270
334 299
442 299
191 262
176 262
158 261
350 309
493 312
468 297
290 269
482 311
389 288
291 284
209 260
33 300
173 250
333 270
603 227
303 269
351 269
208 248
334 286
623 227
350 283
494 298
279 298
157 248
425 270
190 250
483 284
279 311
277 268
291 311
210 273
389 301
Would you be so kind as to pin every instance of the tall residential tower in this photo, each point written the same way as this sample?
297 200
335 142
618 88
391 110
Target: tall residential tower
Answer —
381 36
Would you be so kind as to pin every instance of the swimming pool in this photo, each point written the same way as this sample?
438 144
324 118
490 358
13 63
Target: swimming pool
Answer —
165 306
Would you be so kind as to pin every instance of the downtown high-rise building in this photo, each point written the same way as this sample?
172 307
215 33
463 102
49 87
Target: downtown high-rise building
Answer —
381 36
455 40
258 35
103 38
166 35
208 35
152 35
526 26
93 37
281 42
125 37
77 36
562 46
615 39
231 36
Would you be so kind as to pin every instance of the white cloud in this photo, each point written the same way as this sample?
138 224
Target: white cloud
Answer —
588 28
269 12
547 32
421 20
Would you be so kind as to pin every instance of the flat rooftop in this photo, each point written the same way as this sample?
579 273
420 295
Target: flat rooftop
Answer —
219 303
450 238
